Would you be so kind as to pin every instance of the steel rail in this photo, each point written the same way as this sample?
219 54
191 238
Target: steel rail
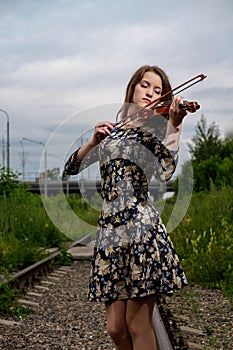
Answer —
32 274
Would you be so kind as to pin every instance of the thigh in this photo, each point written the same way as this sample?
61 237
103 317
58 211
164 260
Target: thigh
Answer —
116 313
140 311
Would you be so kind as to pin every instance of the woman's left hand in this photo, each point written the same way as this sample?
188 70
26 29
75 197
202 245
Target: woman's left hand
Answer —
176 115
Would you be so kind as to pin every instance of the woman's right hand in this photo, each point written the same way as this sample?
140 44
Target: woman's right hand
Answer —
176 115
102 130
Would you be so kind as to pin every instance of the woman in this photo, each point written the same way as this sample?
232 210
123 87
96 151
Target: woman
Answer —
134 259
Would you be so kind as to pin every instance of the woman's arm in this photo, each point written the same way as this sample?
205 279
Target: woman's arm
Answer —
167 153
89 149
174 125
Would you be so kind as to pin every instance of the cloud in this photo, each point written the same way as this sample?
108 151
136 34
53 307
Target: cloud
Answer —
61 57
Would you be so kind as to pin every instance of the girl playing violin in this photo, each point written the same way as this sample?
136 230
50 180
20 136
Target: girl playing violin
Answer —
134 259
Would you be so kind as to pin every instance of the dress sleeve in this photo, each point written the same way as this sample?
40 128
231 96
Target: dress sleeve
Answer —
74 166
166 161
165 146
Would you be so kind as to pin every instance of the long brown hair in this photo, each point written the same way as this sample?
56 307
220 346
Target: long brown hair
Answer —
136 78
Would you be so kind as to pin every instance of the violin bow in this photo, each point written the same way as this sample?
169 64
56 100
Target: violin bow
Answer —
198 78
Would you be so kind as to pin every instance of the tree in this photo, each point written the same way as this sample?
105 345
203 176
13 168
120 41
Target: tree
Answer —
8 181
225 168
206 142
53 174
211 157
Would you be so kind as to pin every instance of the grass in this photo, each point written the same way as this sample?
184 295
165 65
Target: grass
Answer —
25 230
29 225
204 238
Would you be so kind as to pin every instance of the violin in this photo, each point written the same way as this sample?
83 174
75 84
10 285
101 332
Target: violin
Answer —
163 107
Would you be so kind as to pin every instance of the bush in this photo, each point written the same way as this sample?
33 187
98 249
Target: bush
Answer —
210 258
8 181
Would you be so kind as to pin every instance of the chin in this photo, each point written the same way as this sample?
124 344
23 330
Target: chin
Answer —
141 104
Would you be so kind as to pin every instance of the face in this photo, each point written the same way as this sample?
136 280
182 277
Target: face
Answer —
148 89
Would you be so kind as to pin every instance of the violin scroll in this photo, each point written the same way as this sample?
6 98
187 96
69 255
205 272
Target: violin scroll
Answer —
191 107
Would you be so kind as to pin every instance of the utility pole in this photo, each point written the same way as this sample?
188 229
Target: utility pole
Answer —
8 137
3 152
23 160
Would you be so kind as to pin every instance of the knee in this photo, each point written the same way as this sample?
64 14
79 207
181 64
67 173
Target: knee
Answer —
118 332
134 330
139 329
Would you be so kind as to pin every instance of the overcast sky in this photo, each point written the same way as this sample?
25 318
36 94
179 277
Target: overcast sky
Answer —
62 57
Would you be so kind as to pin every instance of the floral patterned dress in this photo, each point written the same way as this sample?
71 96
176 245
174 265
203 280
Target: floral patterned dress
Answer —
134 255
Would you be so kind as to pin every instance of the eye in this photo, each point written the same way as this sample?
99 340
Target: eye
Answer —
144 84
157 91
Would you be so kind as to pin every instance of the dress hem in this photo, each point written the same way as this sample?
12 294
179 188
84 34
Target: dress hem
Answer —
119 298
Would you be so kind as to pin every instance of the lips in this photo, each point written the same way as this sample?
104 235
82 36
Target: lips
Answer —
146 100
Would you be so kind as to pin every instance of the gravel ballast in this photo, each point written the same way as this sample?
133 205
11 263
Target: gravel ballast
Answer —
64 319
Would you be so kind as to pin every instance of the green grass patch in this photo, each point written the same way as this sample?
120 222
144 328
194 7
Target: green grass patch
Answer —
204 238
25 230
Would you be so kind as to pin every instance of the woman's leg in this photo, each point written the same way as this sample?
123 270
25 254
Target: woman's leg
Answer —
116 325
139 313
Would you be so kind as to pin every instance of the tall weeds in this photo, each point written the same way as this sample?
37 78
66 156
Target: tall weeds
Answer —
204 238
25 230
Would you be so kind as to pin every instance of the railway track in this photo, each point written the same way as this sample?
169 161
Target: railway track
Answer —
169 334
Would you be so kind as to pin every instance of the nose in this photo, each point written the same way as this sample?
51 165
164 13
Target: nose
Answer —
149 92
